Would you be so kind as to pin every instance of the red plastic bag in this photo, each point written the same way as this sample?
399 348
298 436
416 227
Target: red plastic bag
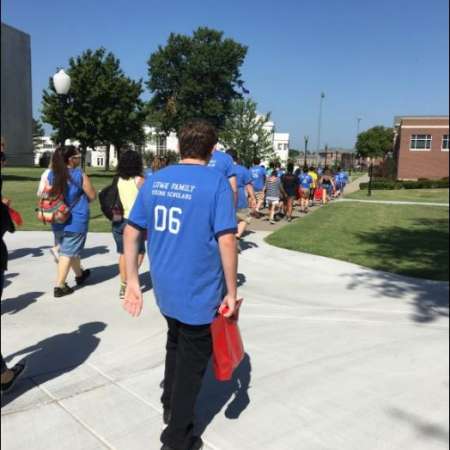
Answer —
318 195
15 217
228 348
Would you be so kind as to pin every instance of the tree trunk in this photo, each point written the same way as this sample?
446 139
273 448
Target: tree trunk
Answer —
83 157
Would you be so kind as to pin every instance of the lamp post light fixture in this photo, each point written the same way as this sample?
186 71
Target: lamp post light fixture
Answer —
254 138
62 82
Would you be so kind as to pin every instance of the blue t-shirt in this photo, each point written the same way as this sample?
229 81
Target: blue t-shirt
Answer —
259 178
223 163
305 181
243 177
148 173
76 199
185 208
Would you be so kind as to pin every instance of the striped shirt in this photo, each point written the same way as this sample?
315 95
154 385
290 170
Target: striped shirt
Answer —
273 187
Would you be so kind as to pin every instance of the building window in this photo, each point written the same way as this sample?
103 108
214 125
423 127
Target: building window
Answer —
445 143
286 146
280 146
100 162
421 142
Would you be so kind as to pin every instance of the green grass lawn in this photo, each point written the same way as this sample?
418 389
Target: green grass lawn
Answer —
407 240
406 195
20 185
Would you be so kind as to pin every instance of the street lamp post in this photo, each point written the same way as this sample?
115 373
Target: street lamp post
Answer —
61 81
369 192
306 151
255 139
319 132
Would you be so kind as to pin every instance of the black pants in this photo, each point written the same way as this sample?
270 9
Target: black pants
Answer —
189 349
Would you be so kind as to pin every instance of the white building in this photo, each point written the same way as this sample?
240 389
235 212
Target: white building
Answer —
157 143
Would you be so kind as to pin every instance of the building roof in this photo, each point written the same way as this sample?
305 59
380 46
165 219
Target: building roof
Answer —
399 119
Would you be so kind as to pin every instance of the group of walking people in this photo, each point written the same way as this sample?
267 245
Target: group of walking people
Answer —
189 218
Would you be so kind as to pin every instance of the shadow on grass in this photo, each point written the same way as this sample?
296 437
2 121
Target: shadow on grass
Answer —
36 178
424 247
54 356
420 251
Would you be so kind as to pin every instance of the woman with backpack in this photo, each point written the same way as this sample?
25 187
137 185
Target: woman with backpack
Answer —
68 181
129 180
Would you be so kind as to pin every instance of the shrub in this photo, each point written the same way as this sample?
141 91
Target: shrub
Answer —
381 184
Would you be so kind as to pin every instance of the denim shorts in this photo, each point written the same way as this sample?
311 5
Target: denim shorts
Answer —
70 244
117 229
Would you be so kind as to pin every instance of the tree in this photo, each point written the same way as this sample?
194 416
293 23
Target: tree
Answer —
239 128
38 132
195 76
375 142
103 105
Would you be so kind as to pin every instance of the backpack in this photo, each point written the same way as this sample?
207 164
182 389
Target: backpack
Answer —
110 203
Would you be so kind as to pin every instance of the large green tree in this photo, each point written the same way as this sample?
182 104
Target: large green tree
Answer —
375 142
195 76
38 132
240 127
103 106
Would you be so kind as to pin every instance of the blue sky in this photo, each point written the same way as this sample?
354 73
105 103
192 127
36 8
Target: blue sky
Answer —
373 59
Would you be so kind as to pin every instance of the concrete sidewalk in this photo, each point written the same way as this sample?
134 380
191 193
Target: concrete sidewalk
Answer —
338 358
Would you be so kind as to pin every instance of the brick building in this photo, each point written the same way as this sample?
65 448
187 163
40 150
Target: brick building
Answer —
421 147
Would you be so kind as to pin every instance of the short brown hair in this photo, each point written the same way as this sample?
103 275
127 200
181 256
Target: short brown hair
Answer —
197 139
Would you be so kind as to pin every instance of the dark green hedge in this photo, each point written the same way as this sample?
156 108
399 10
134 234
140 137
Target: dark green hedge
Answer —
392 185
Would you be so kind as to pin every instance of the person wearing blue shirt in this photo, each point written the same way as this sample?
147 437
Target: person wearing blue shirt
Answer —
188 213
306 182
259 175
224 164
67 179
245 191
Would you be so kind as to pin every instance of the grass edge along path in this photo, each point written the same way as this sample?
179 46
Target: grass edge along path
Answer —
405 240
407 195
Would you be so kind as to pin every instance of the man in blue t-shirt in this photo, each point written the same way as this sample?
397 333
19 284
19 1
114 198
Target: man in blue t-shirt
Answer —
225 165
306 182
245 192
188 213
259 182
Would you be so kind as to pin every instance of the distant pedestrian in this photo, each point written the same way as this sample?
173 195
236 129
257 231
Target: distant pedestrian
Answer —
315 178
290 183
258 173
306 182
245 193
224 164
130 180
274 192
67 179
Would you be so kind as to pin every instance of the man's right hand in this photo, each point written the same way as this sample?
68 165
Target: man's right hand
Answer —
230 306
133 300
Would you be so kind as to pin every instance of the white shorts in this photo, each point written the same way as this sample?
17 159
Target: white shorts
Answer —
273 200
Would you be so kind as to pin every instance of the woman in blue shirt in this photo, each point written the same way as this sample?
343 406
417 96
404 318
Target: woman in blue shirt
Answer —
67 178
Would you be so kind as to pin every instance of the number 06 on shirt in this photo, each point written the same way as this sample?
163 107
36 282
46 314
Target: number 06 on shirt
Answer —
185 208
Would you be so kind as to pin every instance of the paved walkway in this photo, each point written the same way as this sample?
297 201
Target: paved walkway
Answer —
394 202
339 357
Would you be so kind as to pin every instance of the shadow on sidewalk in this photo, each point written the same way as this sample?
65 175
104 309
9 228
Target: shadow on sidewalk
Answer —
92 251
22 252
216 394
17 304
55 356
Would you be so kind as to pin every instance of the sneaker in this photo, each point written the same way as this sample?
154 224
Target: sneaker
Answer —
123 288
289 219
62 291
167 415
83 277
17 371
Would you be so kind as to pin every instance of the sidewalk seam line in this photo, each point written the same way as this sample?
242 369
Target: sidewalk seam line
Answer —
77 419
137 396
